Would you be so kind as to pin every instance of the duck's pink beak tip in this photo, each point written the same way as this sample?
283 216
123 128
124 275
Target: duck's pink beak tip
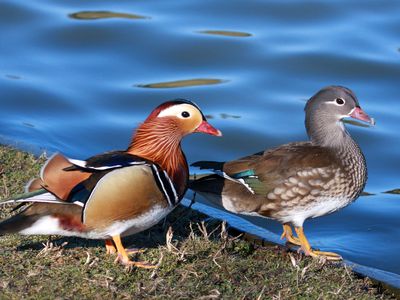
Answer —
206 127
359 114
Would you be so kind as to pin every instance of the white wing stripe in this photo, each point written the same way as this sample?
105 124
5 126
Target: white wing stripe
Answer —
42 198
83 164
241 181
77 162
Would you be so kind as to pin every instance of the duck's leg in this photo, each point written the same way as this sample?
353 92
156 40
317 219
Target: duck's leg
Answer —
288 234
305 245
110 247
123 255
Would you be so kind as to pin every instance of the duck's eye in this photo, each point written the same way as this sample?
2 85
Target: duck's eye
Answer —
185 114
339 101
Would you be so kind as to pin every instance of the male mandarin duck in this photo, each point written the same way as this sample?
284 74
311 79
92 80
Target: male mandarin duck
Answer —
118 193
299 180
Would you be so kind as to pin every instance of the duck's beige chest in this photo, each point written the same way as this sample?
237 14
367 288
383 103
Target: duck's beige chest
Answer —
123 195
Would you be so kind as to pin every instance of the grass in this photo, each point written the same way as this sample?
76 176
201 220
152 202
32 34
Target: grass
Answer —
196 258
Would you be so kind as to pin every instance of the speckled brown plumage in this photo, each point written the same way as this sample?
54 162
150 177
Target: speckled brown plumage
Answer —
300 180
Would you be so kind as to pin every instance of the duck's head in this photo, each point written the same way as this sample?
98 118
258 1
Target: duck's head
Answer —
328 107
183 117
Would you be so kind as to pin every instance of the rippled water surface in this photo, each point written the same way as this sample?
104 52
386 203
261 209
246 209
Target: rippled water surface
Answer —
78 76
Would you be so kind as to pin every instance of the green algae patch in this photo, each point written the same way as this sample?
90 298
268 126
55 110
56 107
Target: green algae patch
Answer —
196 258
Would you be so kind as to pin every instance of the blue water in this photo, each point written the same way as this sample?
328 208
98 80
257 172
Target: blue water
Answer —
78 76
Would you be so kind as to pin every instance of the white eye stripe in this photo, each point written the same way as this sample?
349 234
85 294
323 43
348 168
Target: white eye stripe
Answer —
335 102
177 110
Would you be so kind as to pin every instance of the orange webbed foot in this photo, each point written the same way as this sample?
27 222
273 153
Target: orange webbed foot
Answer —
331 256
305 246
124 259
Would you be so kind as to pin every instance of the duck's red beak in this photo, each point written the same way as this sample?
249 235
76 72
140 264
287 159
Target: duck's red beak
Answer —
205 127
359 114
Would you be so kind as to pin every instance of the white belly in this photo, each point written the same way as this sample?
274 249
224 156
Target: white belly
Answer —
297 215
50 225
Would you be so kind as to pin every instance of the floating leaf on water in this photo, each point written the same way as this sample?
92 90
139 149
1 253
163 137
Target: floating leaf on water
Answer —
94 15
226 33
181 83
395 191
367 194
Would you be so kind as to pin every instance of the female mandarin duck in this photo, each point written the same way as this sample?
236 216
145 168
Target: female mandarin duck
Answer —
118 193
300 180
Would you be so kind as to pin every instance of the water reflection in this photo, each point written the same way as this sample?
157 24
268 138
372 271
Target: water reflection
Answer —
28 124
182 83
223 116
15 77
226 33
94 15
356 123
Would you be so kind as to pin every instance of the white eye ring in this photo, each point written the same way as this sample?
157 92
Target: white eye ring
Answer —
340 101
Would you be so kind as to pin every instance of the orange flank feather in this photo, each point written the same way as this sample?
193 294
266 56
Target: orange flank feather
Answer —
58 181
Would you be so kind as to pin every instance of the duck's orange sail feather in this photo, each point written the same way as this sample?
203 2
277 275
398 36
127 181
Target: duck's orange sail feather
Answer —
58 181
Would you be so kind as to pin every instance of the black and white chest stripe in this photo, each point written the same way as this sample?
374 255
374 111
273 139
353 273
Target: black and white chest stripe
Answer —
165 185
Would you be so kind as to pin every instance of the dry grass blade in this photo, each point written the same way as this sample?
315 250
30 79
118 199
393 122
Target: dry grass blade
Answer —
214 294
154 273
224 233
203 229
50 247
261 293
168 239
293 260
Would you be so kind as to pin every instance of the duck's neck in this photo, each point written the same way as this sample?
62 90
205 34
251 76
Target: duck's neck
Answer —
334 136
161 143
326 131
